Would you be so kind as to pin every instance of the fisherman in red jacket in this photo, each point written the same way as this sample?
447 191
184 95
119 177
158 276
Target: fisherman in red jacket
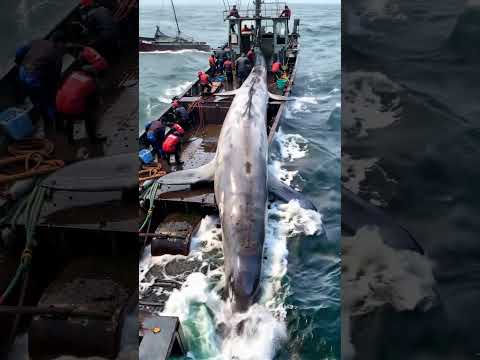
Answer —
286 12
251 56
212 61
205 83
233 13
78 94
228 66
276 69
171 145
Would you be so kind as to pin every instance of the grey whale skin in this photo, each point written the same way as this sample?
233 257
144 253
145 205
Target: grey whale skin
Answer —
242 185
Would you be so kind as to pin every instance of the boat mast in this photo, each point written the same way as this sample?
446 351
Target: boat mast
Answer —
176 21
258 21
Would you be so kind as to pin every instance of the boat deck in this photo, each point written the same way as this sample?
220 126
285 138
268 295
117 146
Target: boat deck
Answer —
199 145
116 121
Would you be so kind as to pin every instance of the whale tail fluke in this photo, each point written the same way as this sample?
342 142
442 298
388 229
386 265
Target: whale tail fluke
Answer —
285 193
204 173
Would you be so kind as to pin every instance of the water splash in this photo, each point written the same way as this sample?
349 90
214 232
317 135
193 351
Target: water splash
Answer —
374 275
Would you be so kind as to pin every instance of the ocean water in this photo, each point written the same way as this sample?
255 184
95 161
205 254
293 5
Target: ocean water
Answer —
27 20
410 144
298 316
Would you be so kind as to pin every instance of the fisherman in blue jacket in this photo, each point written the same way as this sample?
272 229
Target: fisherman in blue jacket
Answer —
40 68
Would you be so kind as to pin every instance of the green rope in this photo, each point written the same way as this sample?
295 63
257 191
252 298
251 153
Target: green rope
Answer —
32 209
150 193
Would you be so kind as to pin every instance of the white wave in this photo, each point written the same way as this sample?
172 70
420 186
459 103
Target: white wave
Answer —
177 90
176 52
375 104
374 274
292 146
284 175
164 100
354 171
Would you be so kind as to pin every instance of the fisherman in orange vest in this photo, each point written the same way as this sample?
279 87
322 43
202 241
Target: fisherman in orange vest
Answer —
171 145
228 66
205 83
276 69
212 61
78 94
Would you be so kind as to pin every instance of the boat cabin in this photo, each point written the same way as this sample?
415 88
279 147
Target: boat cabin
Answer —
268 32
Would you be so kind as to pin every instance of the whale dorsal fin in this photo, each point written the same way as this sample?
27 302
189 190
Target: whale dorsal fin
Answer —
204 173
285 193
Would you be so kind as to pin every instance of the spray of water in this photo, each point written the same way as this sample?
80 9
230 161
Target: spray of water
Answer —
374 274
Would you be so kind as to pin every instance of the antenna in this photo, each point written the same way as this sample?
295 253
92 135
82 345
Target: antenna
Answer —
258 8
176 21
258 20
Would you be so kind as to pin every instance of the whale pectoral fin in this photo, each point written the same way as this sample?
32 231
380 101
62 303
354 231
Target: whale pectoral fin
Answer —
279 97
285 193
227 93
204 173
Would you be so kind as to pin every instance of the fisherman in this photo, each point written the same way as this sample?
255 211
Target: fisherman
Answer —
243 68
286 12
40 68
228 66
182 116
158 33
276 69
212 62
233 13
102 27
245 29
78 93
205 83
251 56
219 65
156 136
171 145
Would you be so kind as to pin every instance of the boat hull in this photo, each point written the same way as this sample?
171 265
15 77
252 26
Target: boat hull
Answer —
149 46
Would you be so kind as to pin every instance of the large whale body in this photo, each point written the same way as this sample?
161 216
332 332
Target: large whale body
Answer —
242 185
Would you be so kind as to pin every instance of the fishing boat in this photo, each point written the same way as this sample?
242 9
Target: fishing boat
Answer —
171 214
68 279
163 42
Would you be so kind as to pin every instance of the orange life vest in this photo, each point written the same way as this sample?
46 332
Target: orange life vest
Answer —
228 65
178 129
170 144
92 57
74 92
203 79
276 67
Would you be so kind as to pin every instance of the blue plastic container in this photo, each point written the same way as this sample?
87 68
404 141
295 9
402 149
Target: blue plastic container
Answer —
16 123
146 156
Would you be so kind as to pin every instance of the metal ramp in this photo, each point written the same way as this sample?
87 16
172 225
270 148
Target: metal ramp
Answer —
160 337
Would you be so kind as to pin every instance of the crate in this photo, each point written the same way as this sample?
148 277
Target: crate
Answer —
146 156
16 123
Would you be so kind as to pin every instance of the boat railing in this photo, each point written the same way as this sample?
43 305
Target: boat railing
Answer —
269 10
